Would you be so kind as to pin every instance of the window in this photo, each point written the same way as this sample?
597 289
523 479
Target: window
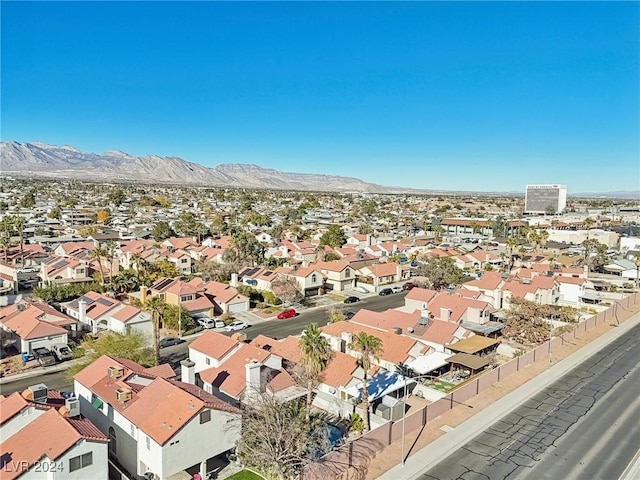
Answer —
96 402
148 443
183 260
314 278
205 416
81 461
347 273
208 361
133 430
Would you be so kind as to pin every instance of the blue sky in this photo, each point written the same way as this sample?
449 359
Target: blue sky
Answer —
474 96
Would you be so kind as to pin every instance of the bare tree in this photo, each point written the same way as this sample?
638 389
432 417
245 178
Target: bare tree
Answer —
286 288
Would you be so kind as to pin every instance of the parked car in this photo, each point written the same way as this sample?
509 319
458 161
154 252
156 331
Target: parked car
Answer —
44 356
169 341
351 299
211 323
360 289
238 325
408 286
385 291
61 351
348 314
286 313
396 289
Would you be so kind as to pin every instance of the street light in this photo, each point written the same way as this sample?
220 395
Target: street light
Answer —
403 369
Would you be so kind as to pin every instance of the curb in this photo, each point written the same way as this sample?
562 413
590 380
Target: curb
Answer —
432 453
36 372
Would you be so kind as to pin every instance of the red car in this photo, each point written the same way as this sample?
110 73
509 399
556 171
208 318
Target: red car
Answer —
408 286
287 313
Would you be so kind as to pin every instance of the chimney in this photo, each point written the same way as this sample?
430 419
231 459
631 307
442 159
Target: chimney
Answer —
234 280
444 314
187 371
252 382
586 271
143 294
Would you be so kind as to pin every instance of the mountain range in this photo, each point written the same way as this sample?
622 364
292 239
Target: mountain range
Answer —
40 159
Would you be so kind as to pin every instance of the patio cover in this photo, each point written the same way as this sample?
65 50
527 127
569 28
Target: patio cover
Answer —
428 363
483 328
473 344
470 361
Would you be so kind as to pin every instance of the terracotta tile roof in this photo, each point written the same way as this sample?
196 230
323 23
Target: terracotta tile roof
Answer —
10 406
126 313
456 304
421 294
96 371
386 320
464 292
213 344
280 381
395 348
340 370
55 435
222 292
200 303
163 370
488 281
336 266
571 280
210 400
287 348
439 332
230 377
6 277
382 269
26 325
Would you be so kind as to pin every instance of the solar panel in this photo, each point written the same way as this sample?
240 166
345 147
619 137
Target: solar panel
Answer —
252 271
105 302
267 273
163 283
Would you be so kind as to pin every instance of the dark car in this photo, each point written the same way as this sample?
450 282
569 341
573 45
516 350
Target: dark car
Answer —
351 299
169 341
385 291
408 286
348 314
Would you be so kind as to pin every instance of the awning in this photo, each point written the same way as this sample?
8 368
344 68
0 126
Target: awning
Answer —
97 404
428 363
470 361
483 328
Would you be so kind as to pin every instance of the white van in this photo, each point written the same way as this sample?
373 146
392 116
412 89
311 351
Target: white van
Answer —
211 323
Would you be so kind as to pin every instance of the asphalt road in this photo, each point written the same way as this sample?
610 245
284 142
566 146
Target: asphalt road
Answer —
271 328
583 426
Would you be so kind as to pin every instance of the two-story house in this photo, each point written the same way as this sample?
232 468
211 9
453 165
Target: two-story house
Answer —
157 426
489 285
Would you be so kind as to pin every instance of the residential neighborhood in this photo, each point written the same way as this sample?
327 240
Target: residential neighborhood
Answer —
412 297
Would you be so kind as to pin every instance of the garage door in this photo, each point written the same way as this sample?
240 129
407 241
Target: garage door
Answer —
238 307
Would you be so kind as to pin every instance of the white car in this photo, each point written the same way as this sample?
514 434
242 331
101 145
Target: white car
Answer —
232 327
397 289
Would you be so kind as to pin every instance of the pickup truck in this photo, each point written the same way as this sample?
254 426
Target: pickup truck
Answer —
44 356
62 351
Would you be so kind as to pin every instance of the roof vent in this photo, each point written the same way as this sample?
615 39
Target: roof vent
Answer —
123 395
115 372
22 307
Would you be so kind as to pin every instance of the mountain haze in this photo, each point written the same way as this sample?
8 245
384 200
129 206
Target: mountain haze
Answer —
40 159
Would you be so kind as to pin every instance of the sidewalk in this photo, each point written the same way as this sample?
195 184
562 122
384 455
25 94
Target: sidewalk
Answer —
35 372
430 445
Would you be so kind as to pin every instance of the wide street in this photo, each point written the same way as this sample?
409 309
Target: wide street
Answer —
583 426
272 328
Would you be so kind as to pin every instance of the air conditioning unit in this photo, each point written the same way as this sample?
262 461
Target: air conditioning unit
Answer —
39 393
115 372
123 395
73 406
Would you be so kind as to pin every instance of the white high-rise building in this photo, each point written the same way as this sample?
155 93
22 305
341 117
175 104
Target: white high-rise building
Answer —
544 198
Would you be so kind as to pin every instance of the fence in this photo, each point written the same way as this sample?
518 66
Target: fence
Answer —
352 459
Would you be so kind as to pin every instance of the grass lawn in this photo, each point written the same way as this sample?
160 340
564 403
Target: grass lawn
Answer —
442 386
244 475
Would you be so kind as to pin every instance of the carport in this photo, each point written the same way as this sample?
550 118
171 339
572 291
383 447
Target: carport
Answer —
465 361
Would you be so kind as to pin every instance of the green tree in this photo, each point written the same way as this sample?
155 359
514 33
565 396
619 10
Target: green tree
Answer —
334 237
441 272
98 253
133 346
161 231
117 197
316 353
369 348
28 200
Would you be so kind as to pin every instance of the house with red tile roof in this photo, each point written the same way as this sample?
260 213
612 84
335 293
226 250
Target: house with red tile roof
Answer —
179 243
571 289
156 422
191 296
539 289
57 270
226 298
221 242
238 372
309 280
439 334
30 325
388 320
71 249
418 299
382 274
478 261
48 429
338 275
489 285
97 312
456 308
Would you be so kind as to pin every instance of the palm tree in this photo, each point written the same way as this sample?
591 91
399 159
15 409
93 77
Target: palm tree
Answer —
512 242
110 252
18 224
369 347
6 229
316 353
97 253
588 224
155 306
136 259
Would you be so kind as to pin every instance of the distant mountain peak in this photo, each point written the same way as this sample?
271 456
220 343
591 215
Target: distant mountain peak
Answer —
37 158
